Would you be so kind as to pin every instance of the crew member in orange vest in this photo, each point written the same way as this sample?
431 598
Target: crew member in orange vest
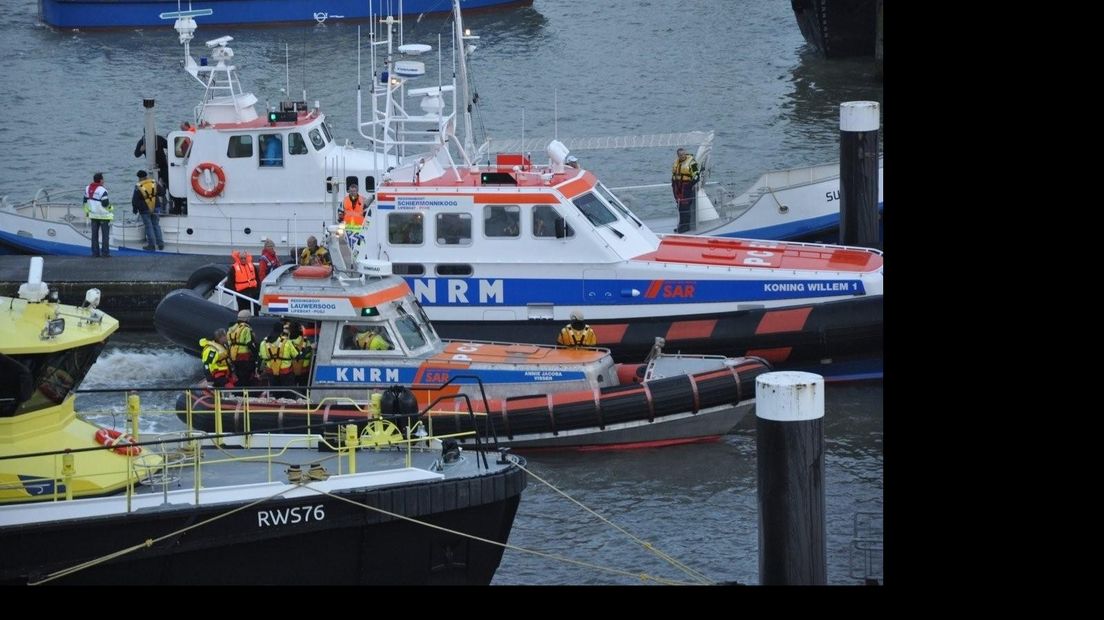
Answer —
243 278
352 214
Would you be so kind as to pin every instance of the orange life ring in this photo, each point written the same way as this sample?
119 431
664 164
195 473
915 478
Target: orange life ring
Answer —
122 443
220 180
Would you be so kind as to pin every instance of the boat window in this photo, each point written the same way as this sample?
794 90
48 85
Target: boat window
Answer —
316 139
240 146
296 144
454 229
326 130
370 336
594 210
502 221
613 200
272 149
44 380
547 221
404 228
454 270
409 330
423 321
408 269
182 145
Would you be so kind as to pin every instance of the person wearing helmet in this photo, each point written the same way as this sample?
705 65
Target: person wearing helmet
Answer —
243 349
577 333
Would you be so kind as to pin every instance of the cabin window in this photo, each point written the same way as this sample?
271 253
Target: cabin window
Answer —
594 210
326 130
44 380
373 337
409 330
613 200
182 145
316 139
408 269
454 229
454 270
404 228
502 221
547 221
272 149
240 146
296 144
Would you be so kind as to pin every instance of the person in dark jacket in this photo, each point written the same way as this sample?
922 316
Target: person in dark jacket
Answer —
143 202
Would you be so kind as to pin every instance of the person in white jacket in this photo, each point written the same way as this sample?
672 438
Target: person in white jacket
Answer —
98 208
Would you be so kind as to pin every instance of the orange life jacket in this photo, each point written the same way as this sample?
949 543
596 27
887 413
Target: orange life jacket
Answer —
245 276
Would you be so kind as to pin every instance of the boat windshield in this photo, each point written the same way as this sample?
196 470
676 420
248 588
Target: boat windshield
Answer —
414 332
33 382
594 210
610 198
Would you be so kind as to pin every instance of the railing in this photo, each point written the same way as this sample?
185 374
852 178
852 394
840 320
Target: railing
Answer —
172 456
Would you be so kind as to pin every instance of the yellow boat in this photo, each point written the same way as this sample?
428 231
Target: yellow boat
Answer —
46 348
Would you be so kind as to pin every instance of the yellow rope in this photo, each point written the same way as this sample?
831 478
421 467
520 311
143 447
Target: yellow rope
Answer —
693 573
149 542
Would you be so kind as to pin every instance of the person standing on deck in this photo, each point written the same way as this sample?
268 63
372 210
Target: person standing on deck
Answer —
144 204
98 209
684 179
215 359
352 214
269 260
243 349
243 279
314 254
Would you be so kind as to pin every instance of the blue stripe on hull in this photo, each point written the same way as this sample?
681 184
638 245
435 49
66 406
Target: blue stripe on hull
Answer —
114 14
29 245
818 227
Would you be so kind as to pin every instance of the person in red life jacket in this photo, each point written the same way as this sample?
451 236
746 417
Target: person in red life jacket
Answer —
215 357
98 209
184 146
243 279
269 261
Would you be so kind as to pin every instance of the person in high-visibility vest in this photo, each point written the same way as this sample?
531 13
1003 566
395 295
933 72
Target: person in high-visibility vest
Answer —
215 358
98 209
684 180
577 333
243 349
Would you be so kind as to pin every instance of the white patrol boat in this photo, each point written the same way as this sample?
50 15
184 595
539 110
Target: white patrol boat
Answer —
531 395
237 176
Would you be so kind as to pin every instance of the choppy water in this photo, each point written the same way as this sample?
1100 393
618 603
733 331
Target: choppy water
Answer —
73 106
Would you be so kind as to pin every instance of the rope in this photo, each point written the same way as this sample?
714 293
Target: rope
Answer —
550 556
695 574
149 542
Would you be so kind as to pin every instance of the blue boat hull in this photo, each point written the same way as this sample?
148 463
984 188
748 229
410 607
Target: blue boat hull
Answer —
106 14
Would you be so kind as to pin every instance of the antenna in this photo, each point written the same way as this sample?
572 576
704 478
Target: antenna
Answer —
287 71
556 113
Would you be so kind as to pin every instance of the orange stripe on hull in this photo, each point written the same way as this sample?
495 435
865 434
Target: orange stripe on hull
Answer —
691 330
777 354
777 321
610 334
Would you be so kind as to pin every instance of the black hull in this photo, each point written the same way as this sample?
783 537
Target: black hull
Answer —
571 419
845 330
838 28
361 546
